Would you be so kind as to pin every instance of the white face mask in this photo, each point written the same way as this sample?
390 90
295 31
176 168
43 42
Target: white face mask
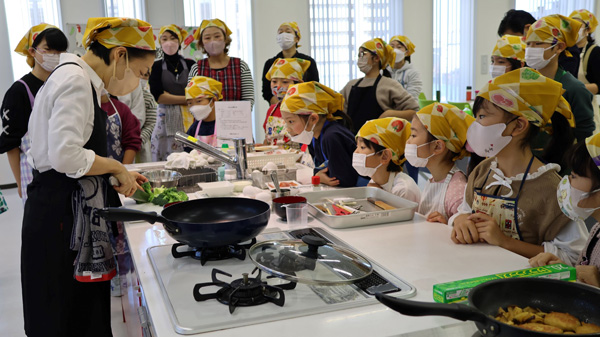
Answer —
569 197
535 57
363 64
279 92
496 71
286 40
410 153
582 33
487 141
50 60
200 111
170 47
304 137
400 54
359 162
124 86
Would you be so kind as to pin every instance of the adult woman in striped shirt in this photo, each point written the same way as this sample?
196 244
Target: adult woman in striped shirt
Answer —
214 37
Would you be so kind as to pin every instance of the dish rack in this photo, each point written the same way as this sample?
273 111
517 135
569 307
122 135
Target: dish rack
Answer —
259 161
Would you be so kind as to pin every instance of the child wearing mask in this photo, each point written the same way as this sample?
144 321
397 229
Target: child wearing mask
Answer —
547 38
201 94
168 79
283 73
379 155
510 198
376 96
123 130
288 37
508 55
403 70
313 116
437 141
579 199
42 45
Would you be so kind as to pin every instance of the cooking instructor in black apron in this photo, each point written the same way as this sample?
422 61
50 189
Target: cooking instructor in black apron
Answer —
64 273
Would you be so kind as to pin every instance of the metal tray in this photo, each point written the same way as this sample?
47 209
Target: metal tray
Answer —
405 209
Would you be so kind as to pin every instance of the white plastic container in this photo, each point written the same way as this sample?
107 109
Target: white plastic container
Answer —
217 188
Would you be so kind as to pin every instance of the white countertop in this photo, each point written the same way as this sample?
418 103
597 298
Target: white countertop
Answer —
419 252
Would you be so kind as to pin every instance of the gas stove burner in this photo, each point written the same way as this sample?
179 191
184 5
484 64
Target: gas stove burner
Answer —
237 251
244 292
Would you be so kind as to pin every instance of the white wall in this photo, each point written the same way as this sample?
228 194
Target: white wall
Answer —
418 26
267 15
75 11
487 16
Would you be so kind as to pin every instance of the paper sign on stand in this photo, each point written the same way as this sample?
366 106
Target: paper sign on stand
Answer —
233 120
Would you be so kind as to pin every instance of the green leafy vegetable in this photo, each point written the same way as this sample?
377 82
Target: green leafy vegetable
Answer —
158 196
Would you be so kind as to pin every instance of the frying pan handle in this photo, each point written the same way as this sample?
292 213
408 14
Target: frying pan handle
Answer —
123 214
414 308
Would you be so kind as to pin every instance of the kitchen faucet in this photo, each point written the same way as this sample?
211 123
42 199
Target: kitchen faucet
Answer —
239 161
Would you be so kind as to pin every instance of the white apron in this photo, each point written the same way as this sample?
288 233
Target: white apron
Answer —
434 194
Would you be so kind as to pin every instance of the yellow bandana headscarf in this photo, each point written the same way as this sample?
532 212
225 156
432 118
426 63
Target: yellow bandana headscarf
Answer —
294 26
306 98
27 41
391 133
383 50
291 68
510 46
526 93
119 32
554 28
593 146
588 18
203 86
211 23
178 31
448 123
410 47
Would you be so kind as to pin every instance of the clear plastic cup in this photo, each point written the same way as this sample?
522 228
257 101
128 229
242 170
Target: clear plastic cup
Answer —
297 214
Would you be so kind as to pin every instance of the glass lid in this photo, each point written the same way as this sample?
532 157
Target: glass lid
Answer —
311 260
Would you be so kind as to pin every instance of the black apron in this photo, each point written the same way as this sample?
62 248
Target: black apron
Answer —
175 85
362 104
54 303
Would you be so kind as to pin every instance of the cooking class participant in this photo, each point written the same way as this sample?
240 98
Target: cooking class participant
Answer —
68 134
579 199
547 38
168 80
288 37
517 22
379 155
143 107
201 94
313 116
376 95
214 37
42 45
403 71
508 55
437 140
122 128
589 68
282 74
512 194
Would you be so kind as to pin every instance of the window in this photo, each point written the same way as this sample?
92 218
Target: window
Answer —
452 48
22 15
339 27
126 9
541 8
235 13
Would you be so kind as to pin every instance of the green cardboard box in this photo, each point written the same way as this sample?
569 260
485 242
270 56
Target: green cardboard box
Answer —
457 291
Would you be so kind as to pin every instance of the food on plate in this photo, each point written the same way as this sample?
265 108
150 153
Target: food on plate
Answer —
536 320
159 196
284 184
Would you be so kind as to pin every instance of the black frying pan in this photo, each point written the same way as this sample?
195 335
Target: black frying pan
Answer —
579 300
210 222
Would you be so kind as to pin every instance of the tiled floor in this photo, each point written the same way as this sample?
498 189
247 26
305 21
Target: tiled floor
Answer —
11 307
